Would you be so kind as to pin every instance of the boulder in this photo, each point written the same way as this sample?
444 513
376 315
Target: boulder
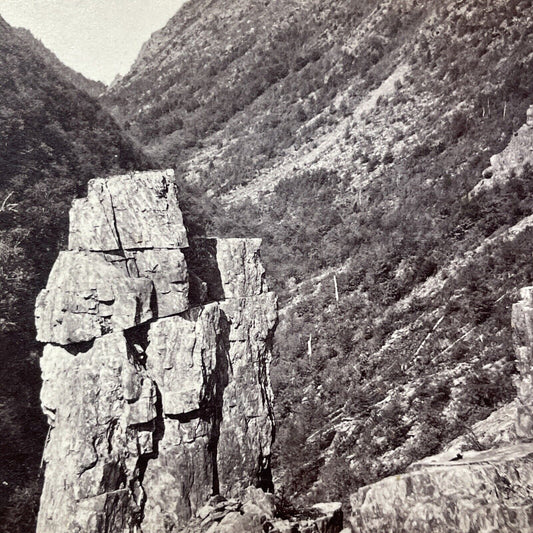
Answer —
260 502
239 523
529 117
331 518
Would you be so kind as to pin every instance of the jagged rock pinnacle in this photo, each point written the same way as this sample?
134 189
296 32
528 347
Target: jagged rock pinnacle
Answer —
157 396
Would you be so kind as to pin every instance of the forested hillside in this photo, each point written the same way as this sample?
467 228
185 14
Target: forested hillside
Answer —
53 138
349 135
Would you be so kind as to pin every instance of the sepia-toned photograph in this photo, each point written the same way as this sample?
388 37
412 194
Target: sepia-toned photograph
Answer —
266 266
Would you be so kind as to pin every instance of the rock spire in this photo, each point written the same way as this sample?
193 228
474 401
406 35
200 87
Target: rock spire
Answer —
156 365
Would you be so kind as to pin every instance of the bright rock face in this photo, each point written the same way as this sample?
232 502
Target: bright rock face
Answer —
241 271
87 297
514 159
125 213
252 322
523 336
485 491
157 398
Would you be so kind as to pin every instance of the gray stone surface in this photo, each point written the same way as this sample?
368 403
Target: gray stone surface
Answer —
180 480
133 211
97 436
92 224
146 210
522 320
168 271
241 271
485 491
182 356
87 297
247 425
154 405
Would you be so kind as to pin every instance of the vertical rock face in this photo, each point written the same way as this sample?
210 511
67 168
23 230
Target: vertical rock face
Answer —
156 368
523 338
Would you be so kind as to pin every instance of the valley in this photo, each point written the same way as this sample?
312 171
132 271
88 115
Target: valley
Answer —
383 146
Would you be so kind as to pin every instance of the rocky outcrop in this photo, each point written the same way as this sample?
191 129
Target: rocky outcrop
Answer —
485 491
523 337
462 490
156 370
513 160
126 214
87 297
256 513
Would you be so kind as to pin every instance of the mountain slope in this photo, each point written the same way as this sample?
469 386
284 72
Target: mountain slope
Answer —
349 137
213 59
91 87
54 137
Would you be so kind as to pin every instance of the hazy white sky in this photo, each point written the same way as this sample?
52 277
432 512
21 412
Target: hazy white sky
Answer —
99 38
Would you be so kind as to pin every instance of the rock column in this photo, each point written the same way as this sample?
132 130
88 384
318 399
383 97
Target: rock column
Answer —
523 340
156 368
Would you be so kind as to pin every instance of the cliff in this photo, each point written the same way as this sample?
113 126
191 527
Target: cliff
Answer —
157 394
481 490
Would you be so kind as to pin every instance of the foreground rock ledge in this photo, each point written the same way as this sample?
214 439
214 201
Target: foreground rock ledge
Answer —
156 370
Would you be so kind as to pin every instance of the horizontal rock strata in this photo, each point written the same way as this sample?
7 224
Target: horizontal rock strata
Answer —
156 368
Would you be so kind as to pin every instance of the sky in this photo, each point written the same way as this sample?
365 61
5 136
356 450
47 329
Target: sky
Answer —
99 38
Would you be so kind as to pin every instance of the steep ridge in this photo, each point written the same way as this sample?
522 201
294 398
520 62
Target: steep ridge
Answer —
91 87
350 137
212 60
157 397
54 138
